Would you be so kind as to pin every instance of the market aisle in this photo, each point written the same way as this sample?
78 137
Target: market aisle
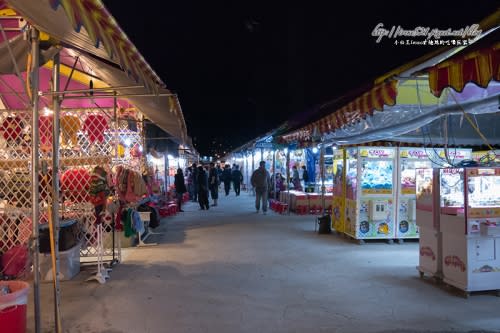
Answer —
232 270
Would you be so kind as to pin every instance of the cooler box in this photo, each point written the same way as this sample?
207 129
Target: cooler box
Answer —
68 235
69 264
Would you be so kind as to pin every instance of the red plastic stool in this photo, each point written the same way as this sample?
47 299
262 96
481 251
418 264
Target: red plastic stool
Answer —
282 208
172 209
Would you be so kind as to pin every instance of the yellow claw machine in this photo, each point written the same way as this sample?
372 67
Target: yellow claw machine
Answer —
338 190
370 193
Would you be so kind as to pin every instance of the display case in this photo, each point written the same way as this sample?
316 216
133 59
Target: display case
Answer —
470 226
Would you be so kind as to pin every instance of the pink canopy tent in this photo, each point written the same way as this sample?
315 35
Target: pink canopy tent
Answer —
14 97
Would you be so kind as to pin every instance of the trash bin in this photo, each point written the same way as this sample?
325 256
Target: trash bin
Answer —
324 223
13 306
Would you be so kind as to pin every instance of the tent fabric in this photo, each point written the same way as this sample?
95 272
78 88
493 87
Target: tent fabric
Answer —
100 27
401 119
360 107
479 67
162 110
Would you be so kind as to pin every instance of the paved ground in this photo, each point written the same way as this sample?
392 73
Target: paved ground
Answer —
232 270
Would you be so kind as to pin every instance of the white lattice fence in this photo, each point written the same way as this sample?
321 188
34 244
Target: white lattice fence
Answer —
88 138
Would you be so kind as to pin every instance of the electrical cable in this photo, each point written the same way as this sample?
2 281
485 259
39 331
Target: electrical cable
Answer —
476 128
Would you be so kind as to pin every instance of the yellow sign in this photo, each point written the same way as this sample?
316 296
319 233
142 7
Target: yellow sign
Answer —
377 191
484 212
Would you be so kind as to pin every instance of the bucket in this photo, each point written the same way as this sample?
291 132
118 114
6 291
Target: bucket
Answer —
324 222
13 307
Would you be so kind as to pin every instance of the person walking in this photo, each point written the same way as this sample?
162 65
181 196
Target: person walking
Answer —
305 176
180 187
296 179
213 183
237 178
202 186
260 181
195 171
226 178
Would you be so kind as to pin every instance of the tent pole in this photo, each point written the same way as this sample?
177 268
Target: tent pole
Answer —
288 179
35 196
274 173
322 170
55 191
253 168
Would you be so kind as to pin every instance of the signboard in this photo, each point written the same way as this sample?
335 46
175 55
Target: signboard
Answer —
377 152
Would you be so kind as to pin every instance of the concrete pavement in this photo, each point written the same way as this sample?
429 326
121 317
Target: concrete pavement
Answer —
232 270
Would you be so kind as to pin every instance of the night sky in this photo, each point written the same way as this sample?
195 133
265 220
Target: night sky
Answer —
241 68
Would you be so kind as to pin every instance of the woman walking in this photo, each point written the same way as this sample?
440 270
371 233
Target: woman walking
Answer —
180 187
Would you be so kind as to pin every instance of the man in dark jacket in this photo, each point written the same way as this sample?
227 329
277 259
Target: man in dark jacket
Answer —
195 182
237 178
213 183
261 182
202 185
226 178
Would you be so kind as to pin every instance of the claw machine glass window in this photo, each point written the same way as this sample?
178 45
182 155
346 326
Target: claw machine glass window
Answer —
452 191
376 177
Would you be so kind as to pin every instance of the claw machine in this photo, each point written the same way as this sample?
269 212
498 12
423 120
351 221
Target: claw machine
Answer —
338 176
470 226
370 193
409 160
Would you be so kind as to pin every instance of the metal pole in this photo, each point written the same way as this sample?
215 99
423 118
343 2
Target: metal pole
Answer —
288 178
253 168
35 210
55 189
107 95
322 171
274 172
108 89
167 180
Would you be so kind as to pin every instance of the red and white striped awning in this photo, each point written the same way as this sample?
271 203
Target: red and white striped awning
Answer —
479 67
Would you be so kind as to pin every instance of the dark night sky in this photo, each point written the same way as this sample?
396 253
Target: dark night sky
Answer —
241 68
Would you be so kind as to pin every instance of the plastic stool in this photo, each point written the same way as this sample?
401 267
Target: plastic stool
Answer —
282 208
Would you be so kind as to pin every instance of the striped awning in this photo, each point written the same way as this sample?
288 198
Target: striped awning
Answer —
361 107
479 67
103 29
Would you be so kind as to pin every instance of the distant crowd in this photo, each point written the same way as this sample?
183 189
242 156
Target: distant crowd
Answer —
204 181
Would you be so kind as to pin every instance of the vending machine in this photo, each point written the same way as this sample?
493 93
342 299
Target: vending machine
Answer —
370 193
